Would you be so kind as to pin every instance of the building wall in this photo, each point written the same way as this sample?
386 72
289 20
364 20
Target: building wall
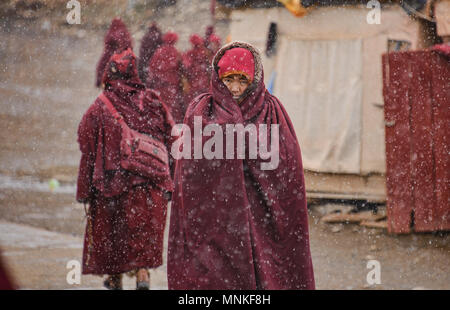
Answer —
338 23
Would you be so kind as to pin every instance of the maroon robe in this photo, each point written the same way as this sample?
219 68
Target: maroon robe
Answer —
212 42
5 278
126 212
197 66
117 39
150 43
164 76
233 225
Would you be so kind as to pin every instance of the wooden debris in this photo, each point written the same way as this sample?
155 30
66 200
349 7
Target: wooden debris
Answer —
373 224
365 216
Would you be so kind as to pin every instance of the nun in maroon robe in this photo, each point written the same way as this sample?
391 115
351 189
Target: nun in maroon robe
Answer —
117 39
196 66
5 277
127 212
165 76
150 43
234 225
212 42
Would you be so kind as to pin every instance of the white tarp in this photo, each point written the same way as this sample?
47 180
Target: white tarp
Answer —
442 15
319 83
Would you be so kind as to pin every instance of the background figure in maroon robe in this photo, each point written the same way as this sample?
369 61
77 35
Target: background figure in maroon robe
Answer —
196 64
117 39
234 225
165 76
149 44
127 212
5 277
212 42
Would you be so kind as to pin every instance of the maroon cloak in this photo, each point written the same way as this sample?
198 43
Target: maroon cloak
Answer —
197 66
127 212
117 39
212 42
5 278
150 43
164 76
233 225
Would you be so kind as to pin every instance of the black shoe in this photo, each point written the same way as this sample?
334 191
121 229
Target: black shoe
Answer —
142 286
113 282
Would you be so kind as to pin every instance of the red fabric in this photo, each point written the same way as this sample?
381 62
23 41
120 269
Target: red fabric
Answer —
170 38
125 233
122 66
443 49
196 40
150 42
118 38
164 76
197 66
417 140
233 225
212 42
127 212
237 61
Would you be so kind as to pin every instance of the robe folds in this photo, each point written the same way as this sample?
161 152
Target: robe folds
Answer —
234 225
126 216
165 76
149 44
117 39
196 64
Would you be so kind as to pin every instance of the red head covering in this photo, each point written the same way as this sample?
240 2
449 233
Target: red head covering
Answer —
214 38
237 61
443 49
149 44
196 40
122 66
170 38
118 35
117 39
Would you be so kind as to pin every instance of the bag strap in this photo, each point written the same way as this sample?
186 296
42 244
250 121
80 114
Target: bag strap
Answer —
113 110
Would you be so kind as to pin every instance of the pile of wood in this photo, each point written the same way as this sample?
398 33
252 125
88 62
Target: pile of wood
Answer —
363 218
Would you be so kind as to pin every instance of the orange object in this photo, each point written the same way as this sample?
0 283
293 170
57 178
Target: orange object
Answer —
295 7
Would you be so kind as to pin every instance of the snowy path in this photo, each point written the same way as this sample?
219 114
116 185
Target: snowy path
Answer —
37 259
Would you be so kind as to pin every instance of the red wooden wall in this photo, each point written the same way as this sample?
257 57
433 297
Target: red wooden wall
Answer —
416 90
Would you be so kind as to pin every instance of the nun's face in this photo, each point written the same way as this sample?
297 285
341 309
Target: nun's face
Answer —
236 84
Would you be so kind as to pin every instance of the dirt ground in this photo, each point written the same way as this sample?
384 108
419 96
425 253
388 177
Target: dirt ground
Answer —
47 82
41 231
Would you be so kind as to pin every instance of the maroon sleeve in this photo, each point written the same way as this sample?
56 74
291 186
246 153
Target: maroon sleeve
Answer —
5 278
169 139
87 139
101 66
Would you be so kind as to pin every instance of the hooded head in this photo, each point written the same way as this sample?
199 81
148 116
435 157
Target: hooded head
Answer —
117 39
118 36
121 67
196 40
170 38
237 60
150 43
214 42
